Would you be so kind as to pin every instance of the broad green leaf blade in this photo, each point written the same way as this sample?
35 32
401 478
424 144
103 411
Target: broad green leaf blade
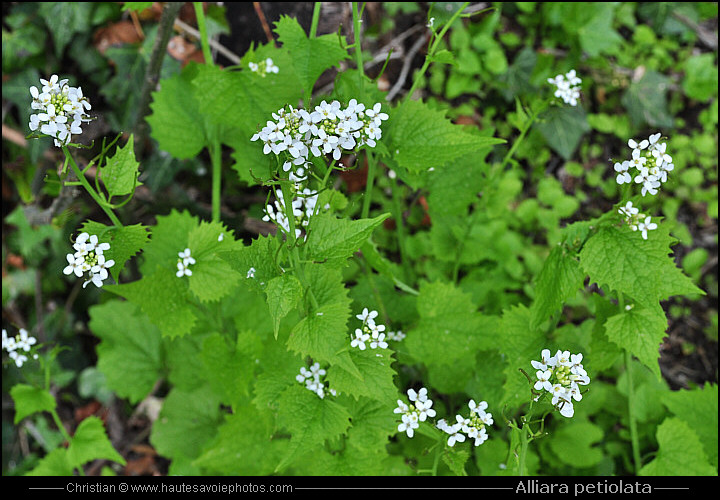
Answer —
169 236
187 421
29 400
90 442
455 459
284 293
212 279
163 297
645 100
449 332
244 445
230 368
520 343
563 127
55 463
574 444
375 367
310 56
642 269
422 138
559 280
176 121
119 174
125 242
639 330
310 421
260 257
335 239
130 352
698 408
681 452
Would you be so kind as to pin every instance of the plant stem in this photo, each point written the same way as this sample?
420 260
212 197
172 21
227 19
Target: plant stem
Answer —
372 167
216 158
200 15
431 51
357 21
95 196
152 74
315 19
637 460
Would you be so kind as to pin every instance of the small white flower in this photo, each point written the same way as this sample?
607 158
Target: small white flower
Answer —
367 316
623 176
379 342
360 339
543 381
646 226
409 423
250 273
455 436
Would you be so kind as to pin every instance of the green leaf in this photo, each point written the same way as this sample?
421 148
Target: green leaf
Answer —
335 239
375 367
639 330
187 421
29 400
520 343
310 421
455 459
169 236
64 20
563 127
681 452
701 77
444 56
90 442
310 56
698 408
645 101
574 444
130 352
243 445
163 297
125 242
120 172
449 332
642 269
558 281
284 293
422 138
598 36
176 120
54 463
230 368
260 255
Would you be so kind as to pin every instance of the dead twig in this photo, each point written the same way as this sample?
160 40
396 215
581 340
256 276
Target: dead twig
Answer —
263 22
233 58
407 63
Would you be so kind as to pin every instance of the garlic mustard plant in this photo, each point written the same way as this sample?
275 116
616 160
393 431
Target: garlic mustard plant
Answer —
23 341
560 376
567 87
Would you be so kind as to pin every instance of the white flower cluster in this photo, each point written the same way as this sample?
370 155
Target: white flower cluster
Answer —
396 336
419 409
561 375
88 258
568 87
13 345
303 207
651 164
311 379
473 426
184 262
263 67
636 220
326 130
369 330
62 110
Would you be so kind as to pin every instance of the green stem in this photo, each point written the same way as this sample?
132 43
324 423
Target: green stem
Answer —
372 167
358 48
431 51
216 158
315 19
524 443
200 15
637 460
95 196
